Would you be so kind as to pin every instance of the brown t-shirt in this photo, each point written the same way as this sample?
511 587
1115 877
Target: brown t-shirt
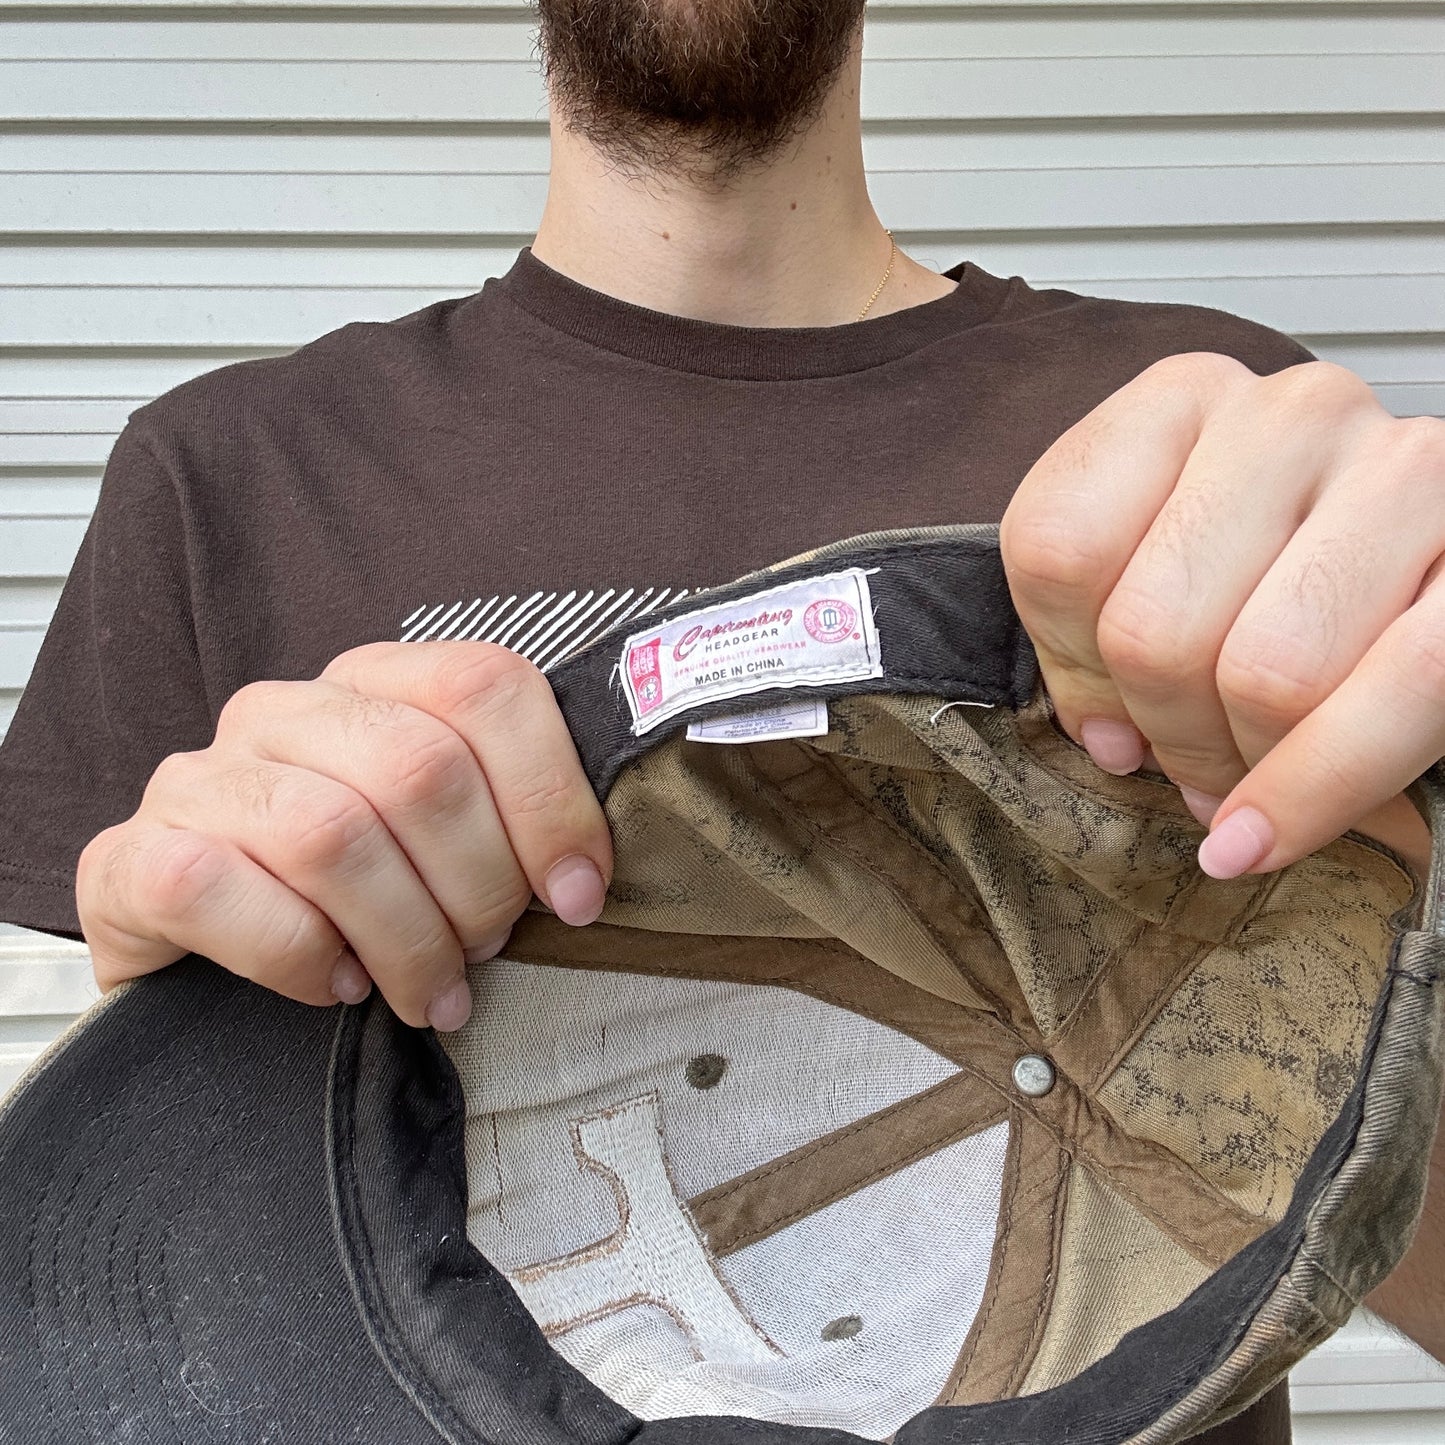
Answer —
523 464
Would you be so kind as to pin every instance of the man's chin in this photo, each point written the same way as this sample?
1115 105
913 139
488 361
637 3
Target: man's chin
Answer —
704 90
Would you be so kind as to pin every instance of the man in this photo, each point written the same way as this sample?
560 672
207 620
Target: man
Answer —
712 357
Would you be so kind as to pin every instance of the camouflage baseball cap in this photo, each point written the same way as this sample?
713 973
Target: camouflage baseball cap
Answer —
915 1084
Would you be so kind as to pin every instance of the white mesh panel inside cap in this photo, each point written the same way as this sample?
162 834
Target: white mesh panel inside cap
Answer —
598 1103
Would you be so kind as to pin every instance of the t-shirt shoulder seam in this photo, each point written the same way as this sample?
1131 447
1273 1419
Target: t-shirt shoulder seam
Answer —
166 412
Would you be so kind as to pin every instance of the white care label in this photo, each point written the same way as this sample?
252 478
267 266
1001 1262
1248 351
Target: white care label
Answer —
815 630
805 719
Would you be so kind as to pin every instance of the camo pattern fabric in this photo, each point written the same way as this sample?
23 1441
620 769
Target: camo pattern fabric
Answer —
979 854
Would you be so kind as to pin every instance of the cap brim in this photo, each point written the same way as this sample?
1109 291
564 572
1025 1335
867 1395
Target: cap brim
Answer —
233 1216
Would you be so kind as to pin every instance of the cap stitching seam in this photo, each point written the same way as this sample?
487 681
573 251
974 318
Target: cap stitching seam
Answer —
828 1141
130 1376
31 1266
1226 1205
940 874
1029 1354
1013 1173
776 1223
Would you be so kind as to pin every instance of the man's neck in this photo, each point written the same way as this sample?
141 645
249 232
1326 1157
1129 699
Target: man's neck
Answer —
793 243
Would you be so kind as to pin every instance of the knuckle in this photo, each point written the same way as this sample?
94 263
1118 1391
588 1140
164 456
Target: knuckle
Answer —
357 661
426 767
422 955
323 828
304 942
483 676
1422 665
365 710
501 900
1143 648
175 774
1334 771
1052 555
1195 761
255 785
1419 444
180 869
251 701
549 792
1313 385
1199 371
101 862
1260 685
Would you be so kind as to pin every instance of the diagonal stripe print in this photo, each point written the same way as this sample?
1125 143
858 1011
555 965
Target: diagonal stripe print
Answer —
545 628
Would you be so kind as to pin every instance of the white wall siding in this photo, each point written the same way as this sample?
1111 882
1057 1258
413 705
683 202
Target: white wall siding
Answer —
187 184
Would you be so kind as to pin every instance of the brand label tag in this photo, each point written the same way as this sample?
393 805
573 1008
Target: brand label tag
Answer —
805 719
815 630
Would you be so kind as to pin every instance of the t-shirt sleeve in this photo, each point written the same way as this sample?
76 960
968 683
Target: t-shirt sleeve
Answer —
116 687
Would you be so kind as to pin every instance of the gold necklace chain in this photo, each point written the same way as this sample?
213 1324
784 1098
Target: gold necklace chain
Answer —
878 290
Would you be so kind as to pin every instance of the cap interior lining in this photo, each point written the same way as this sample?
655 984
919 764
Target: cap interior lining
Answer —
758 1204
1023 1272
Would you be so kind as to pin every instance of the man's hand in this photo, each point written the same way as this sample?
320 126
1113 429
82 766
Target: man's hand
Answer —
1243 575
383 821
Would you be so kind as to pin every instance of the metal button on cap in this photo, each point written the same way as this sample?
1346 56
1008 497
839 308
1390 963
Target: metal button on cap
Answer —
1033 1075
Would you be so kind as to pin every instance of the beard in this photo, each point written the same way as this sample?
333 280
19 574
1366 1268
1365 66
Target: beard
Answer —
699 89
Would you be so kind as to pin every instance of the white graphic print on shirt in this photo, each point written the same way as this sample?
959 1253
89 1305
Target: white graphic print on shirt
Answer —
544 628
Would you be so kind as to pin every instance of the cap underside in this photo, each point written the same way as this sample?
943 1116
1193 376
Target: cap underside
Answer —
757 1147
753 1145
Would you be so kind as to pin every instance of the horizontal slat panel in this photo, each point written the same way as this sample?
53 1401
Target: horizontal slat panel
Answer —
19 646
462 266
44 977
45 983
38 547
24 415
966 31
498 36
47 494
28 599
410 9
1413 1427
1413 398
1380 358
373 92
72 370
981 145
1367 1365
59 449
1053 198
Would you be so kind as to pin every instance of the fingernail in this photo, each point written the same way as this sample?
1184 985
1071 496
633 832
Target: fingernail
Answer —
1116 747
451 1008
483 951
1237 844
1203 805
575 891
350 982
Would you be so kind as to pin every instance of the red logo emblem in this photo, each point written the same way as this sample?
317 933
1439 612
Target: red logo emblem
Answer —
645 670
830 619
